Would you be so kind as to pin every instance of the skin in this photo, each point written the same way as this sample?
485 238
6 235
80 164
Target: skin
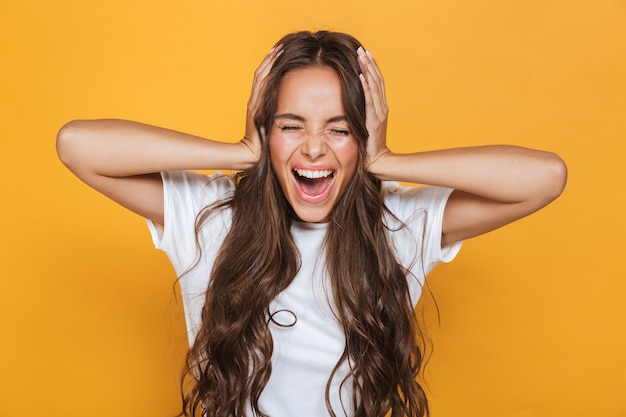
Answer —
494 185
311 135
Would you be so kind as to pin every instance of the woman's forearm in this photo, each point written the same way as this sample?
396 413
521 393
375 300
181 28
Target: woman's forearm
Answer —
507 174
120 148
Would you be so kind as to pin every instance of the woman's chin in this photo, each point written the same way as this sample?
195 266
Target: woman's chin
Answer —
312 215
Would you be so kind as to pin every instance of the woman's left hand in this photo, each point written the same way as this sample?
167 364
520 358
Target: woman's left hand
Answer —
376 107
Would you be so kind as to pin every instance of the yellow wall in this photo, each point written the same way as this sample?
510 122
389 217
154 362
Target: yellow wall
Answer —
531 316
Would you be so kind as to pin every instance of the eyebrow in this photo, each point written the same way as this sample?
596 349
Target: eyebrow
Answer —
292 116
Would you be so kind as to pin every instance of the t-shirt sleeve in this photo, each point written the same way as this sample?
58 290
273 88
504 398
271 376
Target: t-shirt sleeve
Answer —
420 210
185 194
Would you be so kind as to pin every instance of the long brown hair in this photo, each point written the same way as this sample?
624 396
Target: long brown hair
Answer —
229 363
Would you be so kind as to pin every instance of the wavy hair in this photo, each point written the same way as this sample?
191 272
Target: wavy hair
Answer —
229 363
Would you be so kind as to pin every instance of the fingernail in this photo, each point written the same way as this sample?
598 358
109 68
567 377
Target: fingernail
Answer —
368 53
360 51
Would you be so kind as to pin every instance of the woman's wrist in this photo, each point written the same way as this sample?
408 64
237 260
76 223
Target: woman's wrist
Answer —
247 154
384 166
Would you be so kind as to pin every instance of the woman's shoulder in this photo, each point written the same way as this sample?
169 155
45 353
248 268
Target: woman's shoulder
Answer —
396 192
407 201
195 177
216 182
196 189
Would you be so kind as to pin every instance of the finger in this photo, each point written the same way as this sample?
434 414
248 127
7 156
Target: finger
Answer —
373 67
374 84
261 73
376 80
258 84
372 112
367 92
268 62
370 71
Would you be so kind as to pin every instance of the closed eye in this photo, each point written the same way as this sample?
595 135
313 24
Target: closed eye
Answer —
290 128
339 132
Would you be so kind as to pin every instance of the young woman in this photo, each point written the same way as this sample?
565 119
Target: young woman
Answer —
300 273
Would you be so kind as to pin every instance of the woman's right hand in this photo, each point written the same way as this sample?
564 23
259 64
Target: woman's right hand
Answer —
253 138
121 159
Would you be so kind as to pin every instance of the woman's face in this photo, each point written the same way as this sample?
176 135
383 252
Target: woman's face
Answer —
312 150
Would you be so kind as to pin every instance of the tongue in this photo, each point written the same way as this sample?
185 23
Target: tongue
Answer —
313 186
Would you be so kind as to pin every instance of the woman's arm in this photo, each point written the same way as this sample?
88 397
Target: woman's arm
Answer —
122 159
494 185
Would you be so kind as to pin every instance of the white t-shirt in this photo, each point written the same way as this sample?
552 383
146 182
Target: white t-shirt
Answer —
309 343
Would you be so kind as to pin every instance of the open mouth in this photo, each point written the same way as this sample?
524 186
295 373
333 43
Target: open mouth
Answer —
314 182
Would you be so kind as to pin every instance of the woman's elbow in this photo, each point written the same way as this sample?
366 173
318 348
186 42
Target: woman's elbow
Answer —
67 142
556 177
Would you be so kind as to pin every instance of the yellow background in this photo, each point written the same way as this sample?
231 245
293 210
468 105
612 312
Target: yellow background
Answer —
531 316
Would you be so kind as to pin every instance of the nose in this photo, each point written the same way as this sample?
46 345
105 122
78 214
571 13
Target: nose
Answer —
314 145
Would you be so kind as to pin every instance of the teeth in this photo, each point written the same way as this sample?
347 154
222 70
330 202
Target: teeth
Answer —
313 174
